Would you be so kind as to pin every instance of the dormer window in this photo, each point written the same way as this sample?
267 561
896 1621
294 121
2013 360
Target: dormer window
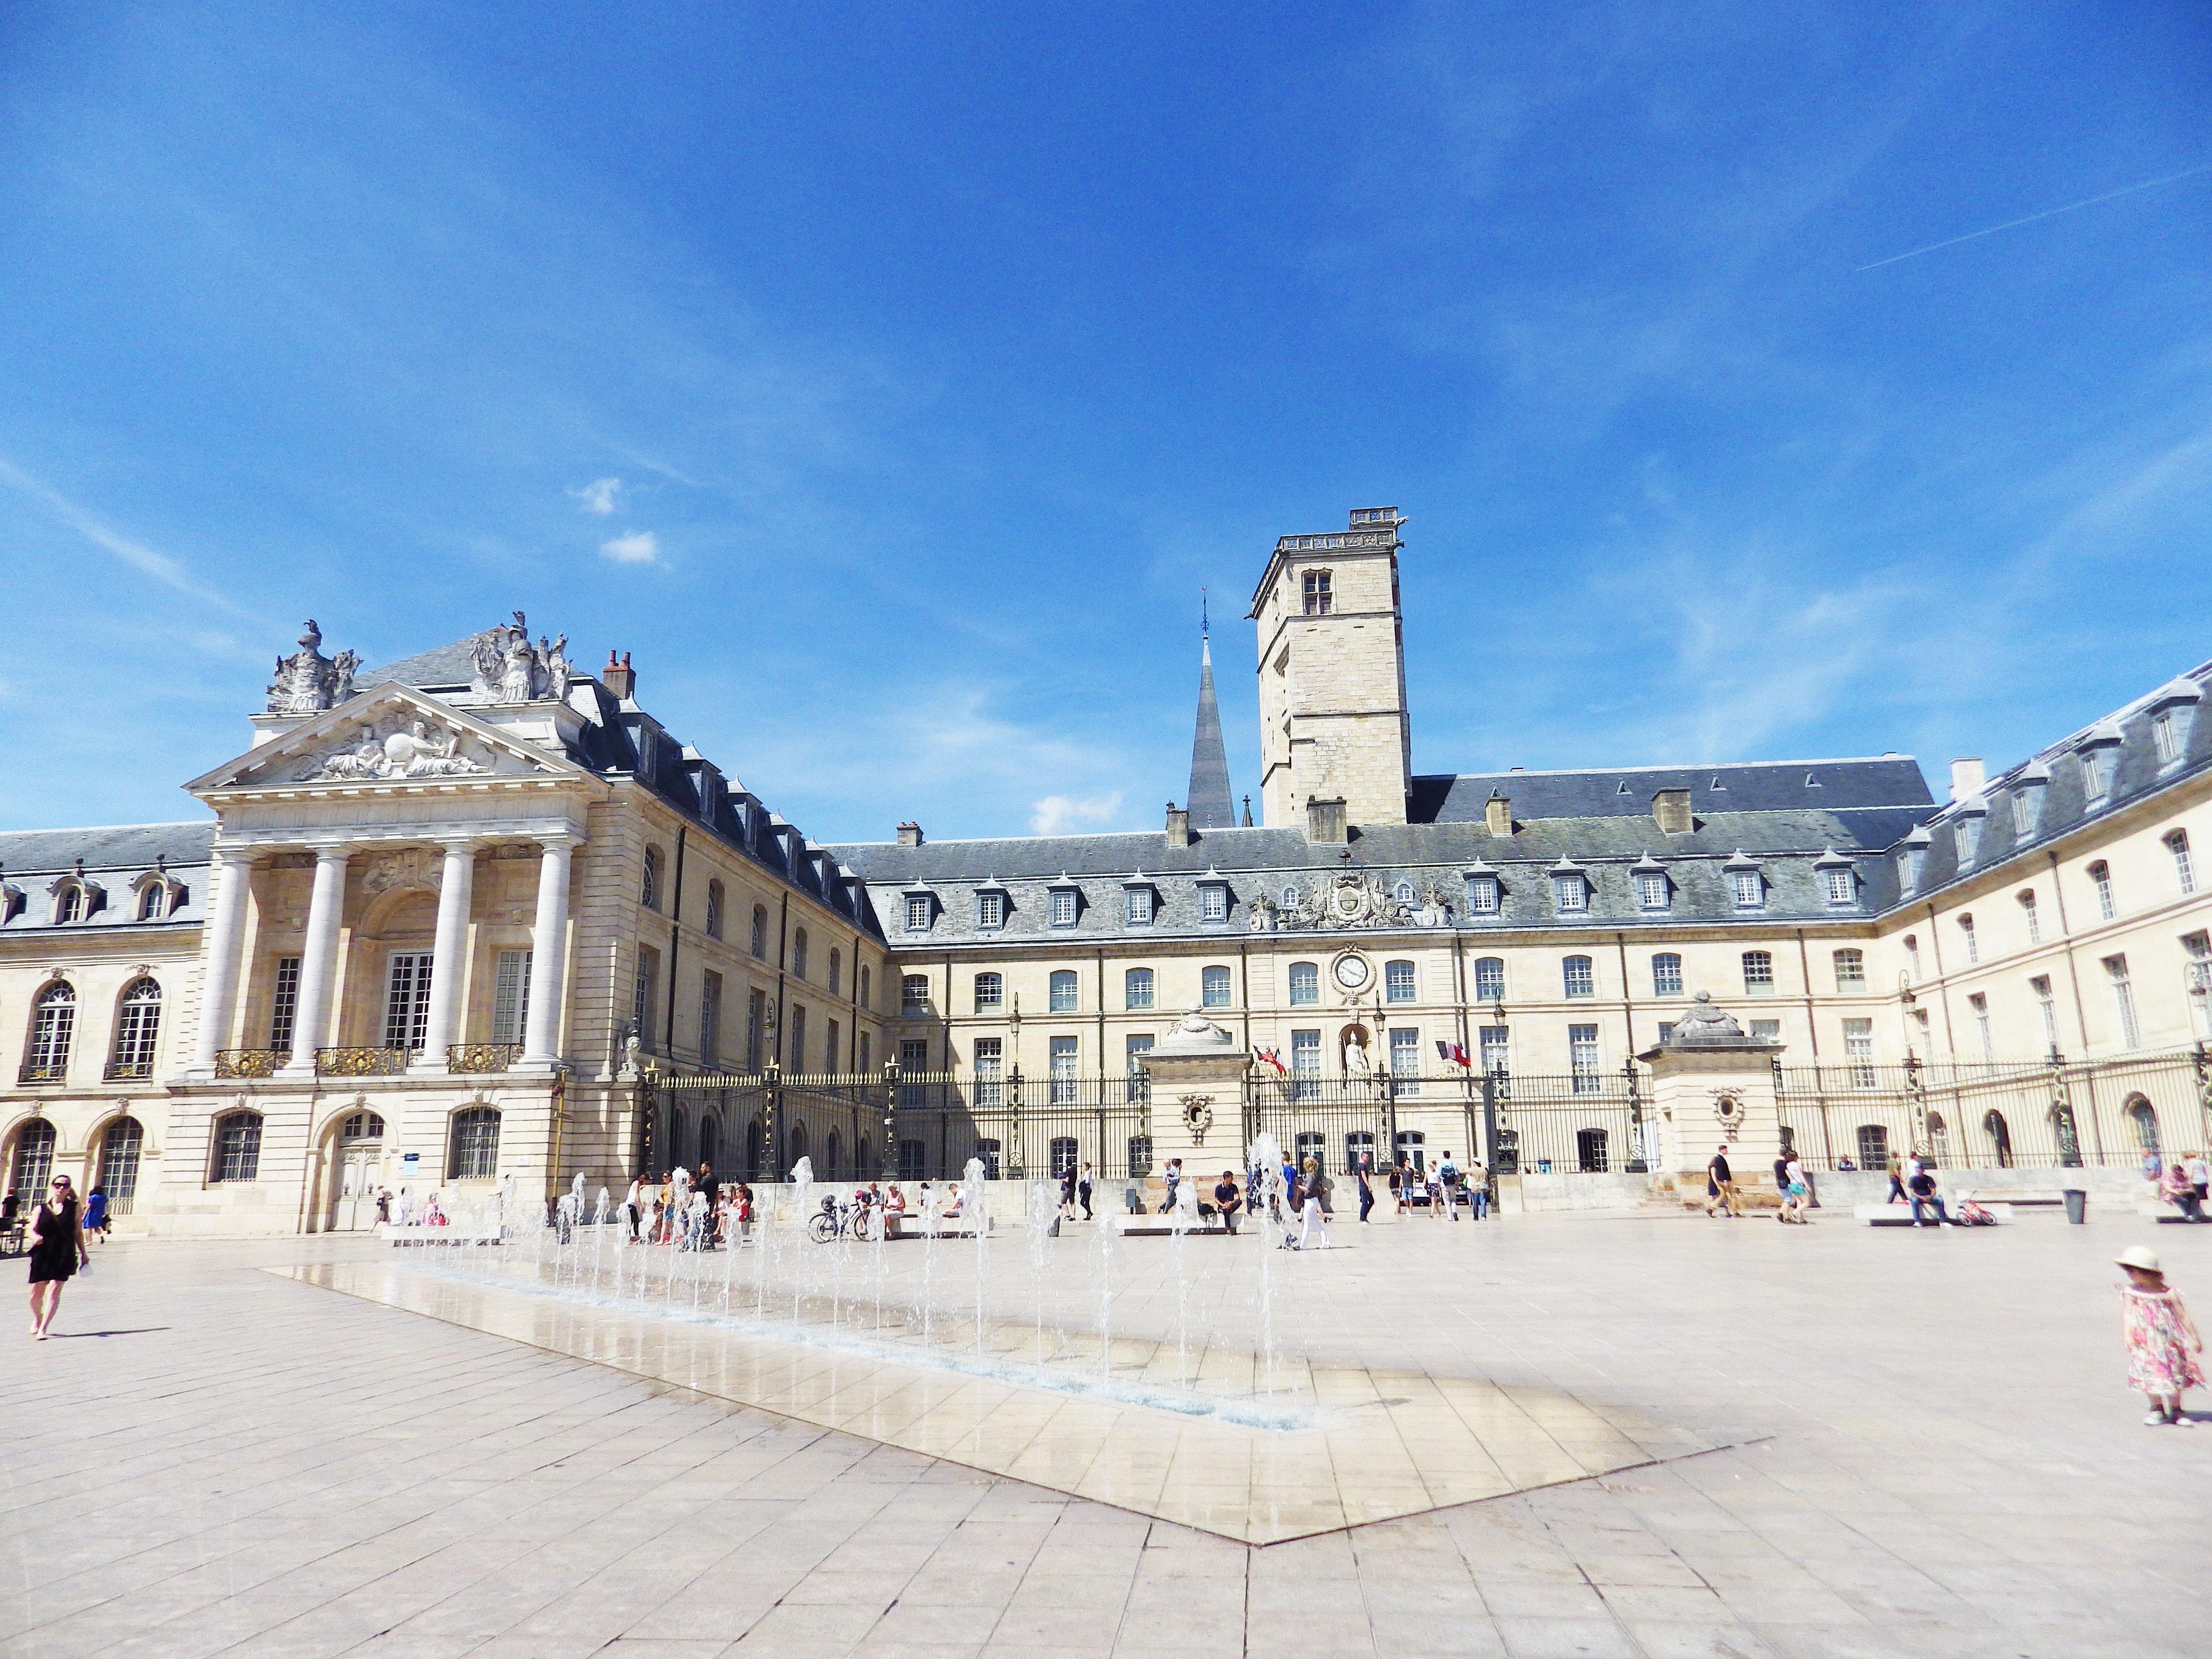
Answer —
1839 885
1569 889
1213 901
2096 775
68 905
1967 829
919 911
1749 890
1137 899
1315 589
1064 903
1651 890
990 909
2027 802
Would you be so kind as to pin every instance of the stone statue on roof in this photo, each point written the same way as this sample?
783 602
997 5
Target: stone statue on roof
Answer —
307 682
1703 1022
511 670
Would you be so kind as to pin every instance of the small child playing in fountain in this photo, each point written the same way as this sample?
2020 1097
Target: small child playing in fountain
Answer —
2162 1342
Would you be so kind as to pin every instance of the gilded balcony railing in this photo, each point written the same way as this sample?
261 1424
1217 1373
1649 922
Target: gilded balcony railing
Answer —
248 1062
360 1062
126 1070
32 1072
482 1056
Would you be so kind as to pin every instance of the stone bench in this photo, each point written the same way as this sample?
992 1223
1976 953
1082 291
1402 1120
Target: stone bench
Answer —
1901 1215
416 1233
911 1225
2157 1209
1162 1226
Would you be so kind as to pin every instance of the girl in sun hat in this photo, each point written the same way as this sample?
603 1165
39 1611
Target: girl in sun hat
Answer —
2162 1344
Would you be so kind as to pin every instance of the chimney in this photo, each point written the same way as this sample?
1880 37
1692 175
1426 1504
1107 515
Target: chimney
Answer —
909 835
1670 811
1325 819
1967 777
1497 814
618 678
1178 825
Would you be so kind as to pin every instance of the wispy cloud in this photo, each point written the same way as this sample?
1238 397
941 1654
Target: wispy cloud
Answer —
601 495
636 547
2048 213
1056 815
104 535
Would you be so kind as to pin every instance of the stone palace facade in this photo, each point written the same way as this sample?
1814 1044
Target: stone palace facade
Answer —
446 920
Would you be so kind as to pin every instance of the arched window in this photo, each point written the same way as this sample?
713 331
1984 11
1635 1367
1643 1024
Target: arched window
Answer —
714 898
33 1163
831 1150
753 1150
151 902
236 1145
1306 983
1063 993
1666 974
1939 1137
137 1023
798 953
1874 1145
1578 977
1403 893
2184 871
362 1126
1999 1134
836 973
1136 988
672 1142
2139 1113
1216 989
53 1021
864 990
990 993
1061 1155
1973 945
2100 878
2027 914
1399 983
475 1151
797 1148
68 904
1490 979
119 1162
1290 896
760 932
648 893
710 1138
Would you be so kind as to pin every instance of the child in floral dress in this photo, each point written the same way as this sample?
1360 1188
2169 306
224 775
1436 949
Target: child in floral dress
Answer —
2162 1344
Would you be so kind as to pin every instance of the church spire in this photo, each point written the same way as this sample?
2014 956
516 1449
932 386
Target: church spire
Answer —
1210 805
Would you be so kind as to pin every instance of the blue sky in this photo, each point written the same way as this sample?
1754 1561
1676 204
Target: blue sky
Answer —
942 355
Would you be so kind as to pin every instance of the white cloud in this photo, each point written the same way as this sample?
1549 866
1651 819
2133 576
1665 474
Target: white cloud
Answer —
601 495
1056 815
638 547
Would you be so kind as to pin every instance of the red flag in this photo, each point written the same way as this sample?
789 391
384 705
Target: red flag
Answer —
1268 1057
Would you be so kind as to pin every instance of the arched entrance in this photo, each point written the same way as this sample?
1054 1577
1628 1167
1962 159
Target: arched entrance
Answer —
119 1145
356 1167
31 1164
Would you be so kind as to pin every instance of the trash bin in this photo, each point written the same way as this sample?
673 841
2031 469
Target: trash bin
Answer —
2077 1206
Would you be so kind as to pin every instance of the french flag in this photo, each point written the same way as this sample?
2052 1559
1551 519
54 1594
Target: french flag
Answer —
1269 1057
1451 1054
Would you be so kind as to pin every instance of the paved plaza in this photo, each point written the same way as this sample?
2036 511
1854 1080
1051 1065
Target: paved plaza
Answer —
1921 1443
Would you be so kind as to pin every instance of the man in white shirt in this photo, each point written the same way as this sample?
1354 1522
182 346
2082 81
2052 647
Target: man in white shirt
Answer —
2200 1174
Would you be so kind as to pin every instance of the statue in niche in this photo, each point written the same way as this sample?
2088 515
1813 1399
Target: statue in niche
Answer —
307 682
1356 1068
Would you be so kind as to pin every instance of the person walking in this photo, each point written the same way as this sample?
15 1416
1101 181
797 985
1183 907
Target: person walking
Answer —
1798 1190
1067 1193
58 1250
1720 1187
1782 1183
1083 1190
1174 1181
633 1209
1314 1234
95 1213
1897 1193
1448 1180
1226 1199
2162 1343
2200 1175
1365 1176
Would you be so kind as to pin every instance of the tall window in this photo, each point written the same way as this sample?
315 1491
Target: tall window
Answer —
1911 959
1062 1055
407 999
1651 890
797 1020
836 972
1973 945
1858 1048
2047 1006
236 1145
1582 1057
119 1160
710 1018
1062 910
1136 988
1494 1046
510 996
1978 1005
1137 905
1490 979
2163 737
865 1002
283 1003
798 954
2023 812
991 909
2100 878
150 901
1850 970
1134 1048
68 908
1315 589
990 993
1580 980
475 1152
1666 974
137 1023
1213 901
760 932
990 1071
1749 891
1216 990
1406 1058
2199 947
867 1056
1841 890
1398 981
2029 914
2092 774
649 887
1759 973
644 996
2124 1002
1061 991
34 1160
1305 1062
2178 844
756 1029
1305 984
914 993
1874 1145
715 896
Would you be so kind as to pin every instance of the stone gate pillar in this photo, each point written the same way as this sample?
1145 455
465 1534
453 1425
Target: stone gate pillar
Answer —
1711 1085
1198 1104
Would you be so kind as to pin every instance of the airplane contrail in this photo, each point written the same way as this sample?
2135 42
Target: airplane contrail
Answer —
2048 213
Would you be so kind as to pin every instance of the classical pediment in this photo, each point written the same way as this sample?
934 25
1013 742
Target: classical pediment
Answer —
391 735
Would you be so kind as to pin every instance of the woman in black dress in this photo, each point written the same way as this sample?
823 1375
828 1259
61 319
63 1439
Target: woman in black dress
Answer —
57 1251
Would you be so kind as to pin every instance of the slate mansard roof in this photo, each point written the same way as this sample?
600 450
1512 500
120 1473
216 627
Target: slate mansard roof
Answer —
621 740
115 857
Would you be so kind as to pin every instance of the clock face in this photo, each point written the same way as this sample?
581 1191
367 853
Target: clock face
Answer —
1352 972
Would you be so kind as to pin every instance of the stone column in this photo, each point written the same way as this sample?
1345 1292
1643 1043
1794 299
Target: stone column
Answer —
311 1026
1711 1085
449 965
549 950
232 876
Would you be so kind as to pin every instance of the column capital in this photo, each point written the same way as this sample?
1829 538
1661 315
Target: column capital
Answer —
566 840
461 843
